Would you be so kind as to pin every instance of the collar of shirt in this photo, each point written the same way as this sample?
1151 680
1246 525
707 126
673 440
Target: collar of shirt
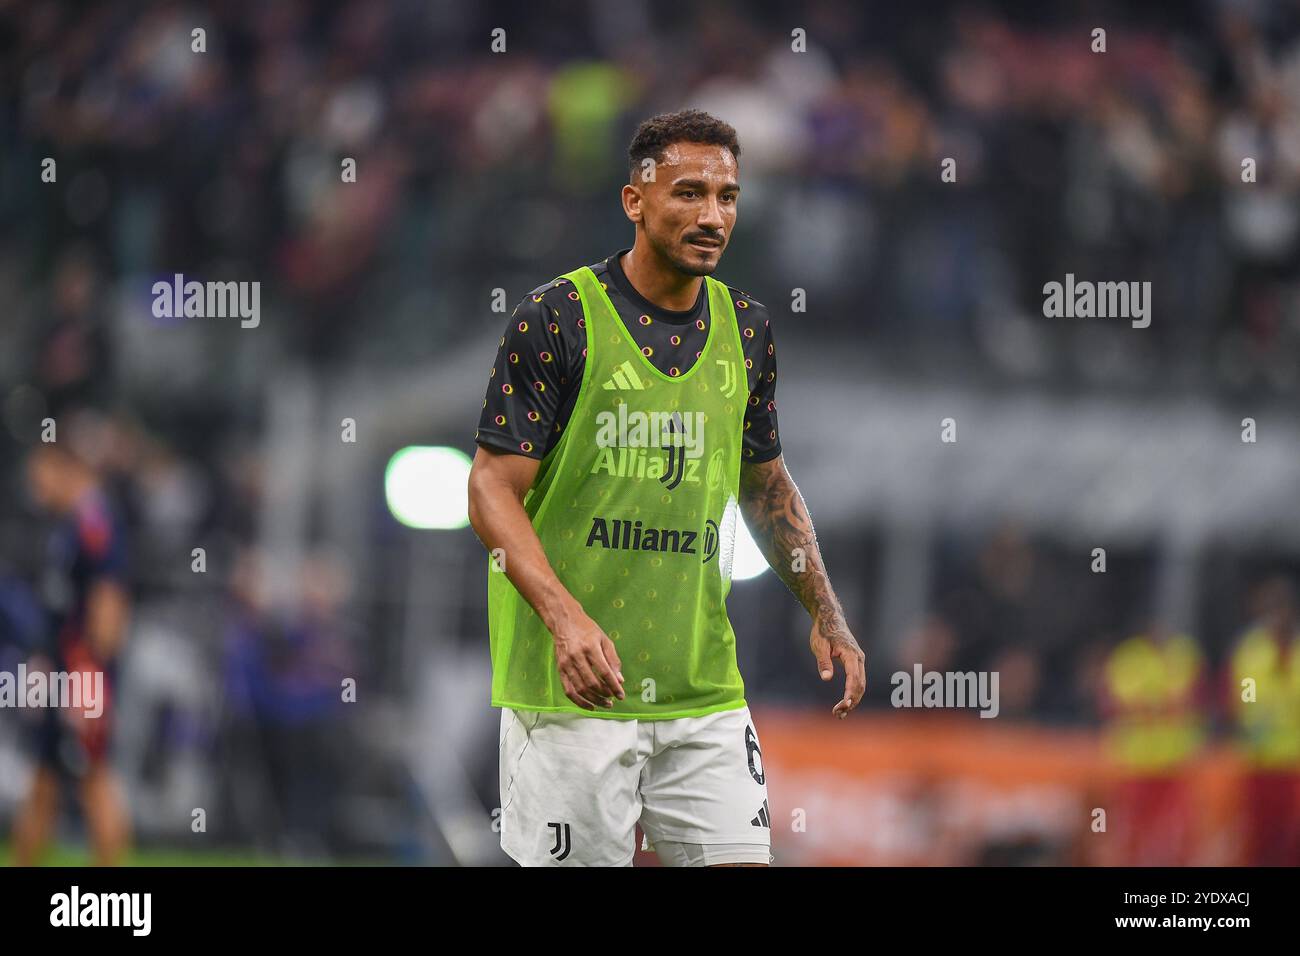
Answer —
643 305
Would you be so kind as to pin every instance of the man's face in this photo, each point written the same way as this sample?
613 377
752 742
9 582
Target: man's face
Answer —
689 210
45 479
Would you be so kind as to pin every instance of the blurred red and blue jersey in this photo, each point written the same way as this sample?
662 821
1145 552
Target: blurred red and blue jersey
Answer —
86 547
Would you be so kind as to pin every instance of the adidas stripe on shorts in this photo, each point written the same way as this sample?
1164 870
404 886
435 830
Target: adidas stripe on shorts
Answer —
574 787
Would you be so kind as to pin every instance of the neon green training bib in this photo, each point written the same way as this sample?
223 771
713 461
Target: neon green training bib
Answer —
636 509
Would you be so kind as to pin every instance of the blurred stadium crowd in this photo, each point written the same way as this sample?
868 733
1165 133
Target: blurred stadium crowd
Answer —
479 170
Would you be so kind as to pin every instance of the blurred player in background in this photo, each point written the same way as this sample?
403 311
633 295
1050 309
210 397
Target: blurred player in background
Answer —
85 592
1153 682
1264 699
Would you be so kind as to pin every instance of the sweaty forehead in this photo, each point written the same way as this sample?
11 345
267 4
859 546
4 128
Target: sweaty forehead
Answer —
699 158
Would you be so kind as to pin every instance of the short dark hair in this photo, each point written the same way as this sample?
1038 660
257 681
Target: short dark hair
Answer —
657 133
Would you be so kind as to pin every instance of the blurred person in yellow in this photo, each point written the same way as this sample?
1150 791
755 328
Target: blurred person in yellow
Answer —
1152 684
1265 705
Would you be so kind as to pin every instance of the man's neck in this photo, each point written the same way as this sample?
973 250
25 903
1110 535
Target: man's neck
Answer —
658 281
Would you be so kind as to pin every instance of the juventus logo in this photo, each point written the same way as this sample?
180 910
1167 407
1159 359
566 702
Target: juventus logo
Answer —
563 841
672 475
729 379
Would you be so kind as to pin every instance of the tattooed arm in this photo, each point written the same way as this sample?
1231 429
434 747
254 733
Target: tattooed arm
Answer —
777 517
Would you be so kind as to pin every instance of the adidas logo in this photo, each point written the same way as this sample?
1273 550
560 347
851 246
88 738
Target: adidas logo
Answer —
624 378
763 819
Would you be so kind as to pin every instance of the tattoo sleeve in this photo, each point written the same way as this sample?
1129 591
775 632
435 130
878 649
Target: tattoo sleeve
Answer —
777 517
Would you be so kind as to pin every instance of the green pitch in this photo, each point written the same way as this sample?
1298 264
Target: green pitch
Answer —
78 856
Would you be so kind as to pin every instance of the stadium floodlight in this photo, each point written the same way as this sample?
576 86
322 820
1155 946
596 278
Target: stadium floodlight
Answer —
749 561
427 487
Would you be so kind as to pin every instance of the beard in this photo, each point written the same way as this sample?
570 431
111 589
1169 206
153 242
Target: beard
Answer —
686 262
696 268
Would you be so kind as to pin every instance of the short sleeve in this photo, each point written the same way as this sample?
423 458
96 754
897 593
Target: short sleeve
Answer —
762 440
529 381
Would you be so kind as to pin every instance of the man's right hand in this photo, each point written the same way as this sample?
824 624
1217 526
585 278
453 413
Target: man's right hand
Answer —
588 664
589 667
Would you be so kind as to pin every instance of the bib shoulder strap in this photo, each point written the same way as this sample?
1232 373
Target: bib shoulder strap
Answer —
721 307
582 277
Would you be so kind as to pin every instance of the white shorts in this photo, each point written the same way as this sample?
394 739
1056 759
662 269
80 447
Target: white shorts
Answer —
574 787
